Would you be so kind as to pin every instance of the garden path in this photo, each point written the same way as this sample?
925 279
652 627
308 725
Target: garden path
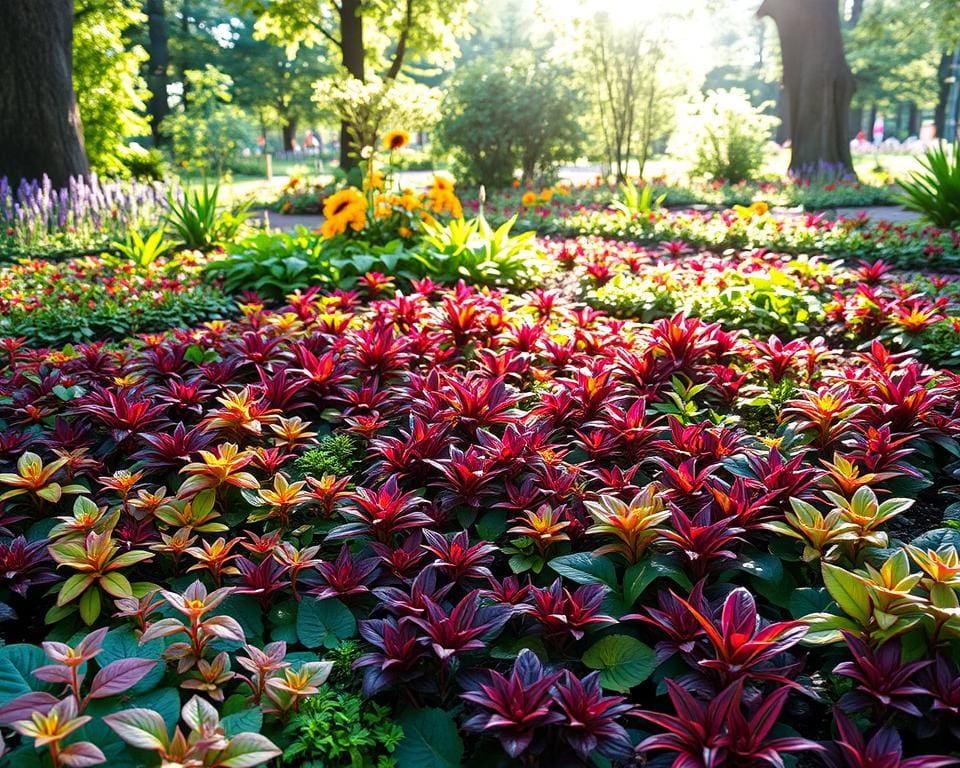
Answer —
895 214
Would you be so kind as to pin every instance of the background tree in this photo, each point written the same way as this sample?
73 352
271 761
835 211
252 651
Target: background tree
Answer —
818 85
892 51
517 111
158 63
277 88
369 37
39 120
207 129
106 74
634 90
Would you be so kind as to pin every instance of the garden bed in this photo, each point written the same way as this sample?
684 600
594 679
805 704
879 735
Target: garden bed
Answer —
406 516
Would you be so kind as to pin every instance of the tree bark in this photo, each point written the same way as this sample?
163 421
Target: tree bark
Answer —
289 134
158 78
943 72
352 53
40 129
819 85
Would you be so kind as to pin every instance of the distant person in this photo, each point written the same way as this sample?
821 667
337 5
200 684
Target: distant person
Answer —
878 129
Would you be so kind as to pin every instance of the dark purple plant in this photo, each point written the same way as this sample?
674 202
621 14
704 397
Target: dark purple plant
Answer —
515 707
883 680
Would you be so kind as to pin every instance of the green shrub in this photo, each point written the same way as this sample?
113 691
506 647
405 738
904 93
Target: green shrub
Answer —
511 113
934 190
472 250
724 137
339 728
199 222
335 455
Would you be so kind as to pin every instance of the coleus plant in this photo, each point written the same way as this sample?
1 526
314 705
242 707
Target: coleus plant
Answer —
204 744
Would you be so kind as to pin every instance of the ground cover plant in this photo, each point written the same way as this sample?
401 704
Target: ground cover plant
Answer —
468 525
102 297
416 489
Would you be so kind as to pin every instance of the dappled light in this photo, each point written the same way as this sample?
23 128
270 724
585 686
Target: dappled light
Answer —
425 384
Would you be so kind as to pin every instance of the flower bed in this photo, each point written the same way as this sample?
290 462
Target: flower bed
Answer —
765 292
101 297
527 531
37 220
904 245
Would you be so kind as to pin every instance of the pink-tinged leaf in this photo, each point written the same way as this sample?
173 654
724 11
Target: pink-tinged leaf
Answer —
81 754
142 728
162 628
23 706
198 712
247 750
226 627
53 673
119 676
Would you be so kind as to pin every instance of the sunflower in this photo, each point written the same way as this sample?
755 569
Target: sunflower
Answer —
346 208
396 139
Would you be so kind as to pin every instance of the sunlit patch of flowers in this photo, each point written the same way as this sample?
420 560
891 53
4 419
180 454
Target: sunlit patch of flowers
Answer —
103 297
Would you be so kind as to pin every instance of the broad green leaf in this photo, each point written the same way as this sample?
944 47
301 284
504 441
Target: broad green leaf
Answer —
16 662
430 740
324 623
584 568
623 661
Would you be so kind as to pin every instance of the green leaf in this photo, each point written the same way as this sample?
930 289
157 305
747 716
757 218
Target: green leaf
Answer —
807 600
584 568
250 719
122 643
16 662
849 592
90 606
623 661
762 565
325 623
247 751
430 740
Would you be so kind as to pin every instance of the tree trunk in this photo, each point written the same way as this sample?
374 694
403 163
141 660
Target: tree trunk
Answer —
783 112
40 129
856 121
856 11
819 85
157 79
943 84
289 134
352 52
913 120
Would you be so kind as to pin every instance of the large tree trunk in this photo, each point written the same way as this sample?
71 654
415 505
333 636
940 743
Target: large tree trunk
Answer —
352 52
157 80
818 83
39 121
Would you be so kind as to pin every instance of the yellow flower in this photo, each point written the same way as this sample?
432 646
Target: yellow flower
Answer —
442 198
546 195
346 208
373 180
396 139
529 198
757 209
